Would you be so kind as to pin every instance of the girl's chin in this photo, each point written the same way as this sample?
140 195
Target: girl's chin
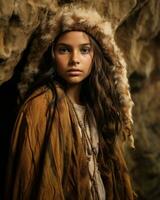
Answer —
74 81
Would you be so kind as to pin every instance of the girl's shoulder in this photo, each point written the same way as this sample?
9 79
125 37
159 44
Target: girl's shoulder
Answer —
42 97
38 101
43 93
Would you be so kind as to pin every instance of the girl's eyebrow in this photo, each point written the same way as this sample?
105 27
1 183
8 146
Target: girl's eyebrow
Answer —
65 44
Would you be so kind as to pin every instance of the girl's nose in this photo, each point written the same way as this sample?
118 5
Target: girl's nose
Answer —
74 58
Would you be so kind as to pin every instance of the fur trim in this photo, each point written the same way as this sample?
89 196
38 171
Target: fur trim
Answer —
78 18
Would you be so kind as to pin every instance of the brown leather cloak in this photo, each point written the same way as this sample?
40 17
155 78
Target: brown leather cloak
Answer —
63 174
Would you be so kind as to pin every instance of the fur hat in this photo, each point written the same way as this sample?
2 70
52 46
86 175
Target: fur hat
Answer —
74 17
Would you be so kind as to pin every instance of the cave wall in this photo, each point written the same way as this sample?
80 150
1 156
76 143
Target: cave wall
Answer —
138 35
137 24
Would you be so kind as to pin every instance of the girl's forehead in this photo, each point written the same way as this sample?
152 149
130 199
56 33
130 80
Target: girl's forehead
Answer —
74 37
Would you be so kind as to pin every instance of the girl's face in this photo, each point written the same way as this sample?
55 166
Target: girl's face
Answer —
73 54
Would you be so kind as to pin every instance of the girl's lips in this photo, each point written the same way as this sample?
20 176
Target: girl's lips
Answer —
74 72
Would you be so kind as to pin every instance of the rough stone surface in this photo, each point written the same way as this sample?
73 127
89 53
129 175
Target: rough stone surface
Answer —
138 35
145 160
18 22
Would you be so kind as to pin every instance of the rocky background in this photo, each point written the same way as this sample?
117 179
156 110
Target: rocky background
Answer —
138 35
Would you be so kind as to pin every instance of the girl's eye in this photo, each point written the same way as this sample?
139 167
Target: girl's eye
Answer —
63 50
85 50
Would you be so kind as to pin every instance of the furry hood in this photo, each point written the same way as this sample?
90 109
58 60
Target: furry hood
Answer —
74 17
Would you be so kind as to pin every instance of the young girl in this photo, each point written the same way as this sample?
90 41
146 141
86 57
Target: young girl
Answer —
67 140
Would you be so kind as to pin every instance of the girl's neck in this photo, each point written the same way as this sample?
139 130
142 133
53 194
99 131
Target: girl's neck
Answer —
73 93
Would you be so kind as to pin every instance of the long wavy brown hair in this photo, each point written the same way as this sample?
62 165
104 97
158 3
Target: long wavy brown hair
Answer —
98 92
101 96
